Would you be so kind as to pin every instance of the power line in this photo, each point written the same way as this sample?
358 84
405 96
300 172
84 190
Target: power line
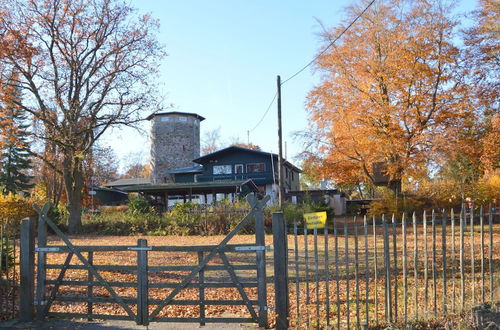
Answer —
265 113
311 62
329 45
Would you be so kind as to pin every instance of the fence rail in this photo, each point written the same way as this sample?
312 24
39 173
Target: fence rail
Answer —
372 271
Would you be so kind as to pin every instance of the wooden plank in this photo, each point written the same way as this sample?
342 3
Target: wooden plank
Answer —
92 316
163 248
434 263
27 270
90 279
415 265
163 319
405 271
176 302
171 285
142 283
337 280
172 268
280 271
261 259
375 266
462 260
347 275
41 270
445 277
297 275
491 210
481 216
208 320
201 281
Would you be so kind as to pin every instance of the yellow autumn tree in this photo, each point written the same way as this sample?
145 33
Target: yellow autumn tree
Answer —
388 93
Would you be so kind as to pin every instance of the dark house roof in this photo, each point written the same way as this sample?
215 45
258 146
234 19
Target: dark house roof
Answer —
108 196
186 170
195 187
201 118
316 192
128 182
232 149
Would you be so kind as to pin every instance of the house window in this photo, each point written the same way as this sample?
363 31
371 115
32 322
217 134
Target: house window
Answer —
222 169
183 119
238 168
255 167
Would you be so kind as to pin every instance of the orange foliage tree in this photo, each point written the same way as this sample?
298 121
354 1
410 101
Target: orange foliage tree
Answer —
84 66
389 91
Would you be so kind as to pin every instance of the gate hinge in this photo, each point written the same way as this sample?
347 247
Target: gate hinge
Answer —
140 248
43 302
47 249
253 248
267 308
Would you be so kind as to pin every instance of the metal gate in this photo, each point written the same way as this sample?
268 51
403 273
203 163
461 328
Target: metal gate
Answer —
142 308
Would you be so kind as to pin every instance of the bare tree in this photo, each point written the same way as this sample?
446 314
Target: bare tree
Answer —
85 66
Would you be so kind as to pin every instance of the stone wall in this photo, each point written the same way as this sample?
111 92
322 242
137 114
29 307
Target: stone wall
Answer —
175 142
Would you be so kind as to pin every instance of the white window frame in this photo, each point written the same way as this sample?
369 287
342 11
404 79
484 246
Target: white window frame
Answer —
263 168
236 166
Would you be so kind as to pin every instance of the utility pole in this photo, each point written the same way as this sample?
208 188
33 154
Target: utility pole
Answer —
281 196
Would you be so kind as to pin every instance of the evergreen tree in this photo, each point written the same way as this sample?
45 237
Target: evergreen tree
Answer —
14 145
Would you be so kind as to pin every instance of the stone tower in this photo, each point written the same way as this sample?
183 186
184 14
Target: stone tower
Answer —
175 142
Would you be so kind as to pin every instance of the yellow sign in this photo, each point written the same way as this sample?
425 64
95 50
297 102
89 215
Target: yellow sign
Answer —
315 220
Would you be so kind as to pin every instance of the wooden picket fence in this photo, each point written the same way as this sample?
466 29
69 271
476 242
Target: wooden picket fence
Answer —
374 271
9 275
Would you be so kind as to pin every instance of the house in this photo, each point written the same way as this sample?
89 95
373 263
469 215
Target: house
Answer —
226 173
178 173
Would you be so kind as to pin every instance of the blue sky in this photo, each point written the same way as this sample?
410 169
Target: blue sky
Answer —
222 63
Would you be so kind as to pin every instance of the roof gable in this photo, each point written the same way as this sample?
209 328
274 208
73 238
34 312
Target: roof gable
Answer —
235 149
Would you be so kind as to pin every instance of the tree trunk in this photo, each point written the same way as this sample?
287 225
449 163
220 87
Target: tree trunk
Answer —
73 184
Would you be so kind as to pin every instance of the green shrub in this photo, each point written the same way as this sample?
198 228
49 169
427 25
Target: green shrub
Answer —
137 206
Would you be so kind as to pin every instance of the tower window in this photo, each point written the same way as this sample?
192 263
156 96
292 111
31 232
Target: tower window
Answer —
165 119
183 119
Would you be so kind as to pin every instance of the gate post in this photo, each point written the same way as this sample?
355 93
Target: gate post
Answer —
27 270
41 266
280 270
142 282
261 265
